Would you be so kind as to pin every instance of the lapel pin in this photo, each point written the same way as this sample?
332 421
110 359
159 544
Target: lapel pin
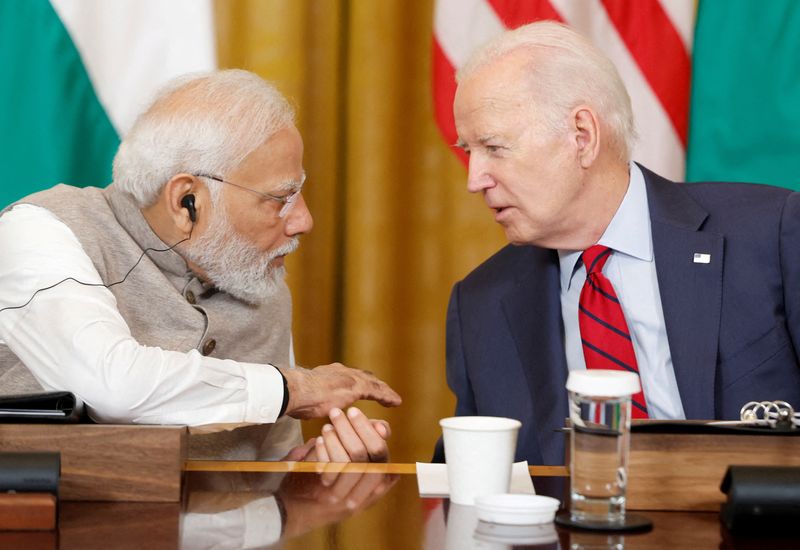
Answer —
702 258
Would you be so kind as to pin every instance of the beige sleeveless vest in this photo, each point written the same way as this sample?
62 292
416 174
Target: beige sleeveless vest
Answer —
166 306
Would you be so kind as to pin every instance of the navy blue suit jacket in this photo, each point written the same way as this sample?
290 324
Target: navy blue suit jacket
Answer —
733 325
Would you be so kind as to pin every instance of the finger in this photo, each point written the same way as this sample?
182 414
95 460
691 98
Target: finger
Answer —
300 452
344 484
320 450
376 448
363 490
387 483
382 427
377 390
328 478
346 432
336 452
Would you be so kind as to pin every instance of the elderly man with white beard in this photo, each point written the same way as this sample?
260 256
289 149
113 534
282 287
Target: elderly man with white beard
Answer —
160 299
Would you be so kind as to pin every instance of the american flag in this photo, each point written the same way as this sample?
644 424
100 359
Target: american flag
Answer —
649 41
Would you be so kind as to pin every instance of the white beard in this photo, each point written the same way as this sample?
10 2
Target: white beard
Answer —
235 265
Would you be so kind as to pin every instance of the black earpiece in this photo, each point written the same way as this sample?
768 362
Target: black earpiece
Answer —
188 203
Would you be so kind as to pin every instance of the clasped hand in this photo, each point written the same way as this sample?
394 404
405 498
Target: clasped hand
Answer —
350 437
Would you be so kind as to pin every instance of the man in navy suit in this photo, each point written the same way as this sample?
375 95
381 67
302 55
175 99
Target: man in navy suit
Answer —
707 275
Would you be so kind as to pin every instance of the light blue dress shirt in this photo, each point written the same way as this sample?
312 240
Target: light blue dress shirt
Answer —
632 270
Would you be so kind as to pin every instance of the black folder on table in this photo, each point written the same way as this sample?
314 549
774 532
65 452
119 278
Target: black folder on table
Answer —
57 406
705 427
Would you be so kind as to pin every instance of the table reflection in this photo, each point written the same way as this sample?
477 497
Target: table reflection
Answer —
466 532
253 510
344 510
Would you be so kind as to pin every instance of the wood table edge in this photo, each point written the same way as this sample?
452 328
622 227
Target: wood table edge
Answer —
319 467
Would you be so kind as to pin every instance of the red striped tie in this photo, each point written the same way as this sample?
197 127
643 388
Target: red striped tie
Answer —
604 332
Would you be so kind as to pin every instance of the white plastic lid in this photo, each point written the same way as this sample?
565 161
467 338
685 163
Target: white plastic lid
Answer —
516 509
603 383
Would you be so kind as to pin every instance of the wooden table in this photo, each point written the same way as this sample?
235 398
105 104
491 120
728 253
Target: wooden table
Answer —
374 506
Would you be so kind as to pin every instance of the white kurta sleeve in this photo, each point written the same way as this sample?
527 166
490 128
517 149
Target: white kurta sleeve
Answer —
72 337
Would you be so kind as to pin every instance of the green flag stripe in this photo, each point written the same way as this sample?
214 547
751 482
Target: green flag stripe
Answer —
52 126
745 107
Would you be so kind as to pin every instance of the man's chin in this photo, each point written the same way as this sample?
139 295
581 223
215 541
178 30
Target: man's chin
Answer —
515 238
256 293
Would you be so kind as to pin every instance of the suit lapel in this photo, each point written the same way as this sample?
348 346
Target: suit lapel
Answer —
533 314
691 292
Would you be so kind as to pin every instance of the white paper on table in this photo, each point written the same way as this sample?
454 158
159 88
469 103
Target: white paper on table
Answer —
432 479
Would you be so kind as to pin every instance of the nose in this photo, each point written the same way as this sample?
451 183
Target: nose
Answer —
298 219
478 177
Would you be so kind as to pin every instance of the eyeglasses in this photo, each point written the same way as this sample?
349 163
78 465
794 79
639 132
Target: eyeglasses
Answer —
286 201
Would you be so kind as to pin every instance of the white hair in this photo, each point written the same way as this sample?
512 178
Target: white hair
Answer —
565 71
198 123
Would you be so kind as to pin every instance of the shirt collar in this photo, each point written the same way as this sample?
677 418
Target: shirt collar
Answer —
628 232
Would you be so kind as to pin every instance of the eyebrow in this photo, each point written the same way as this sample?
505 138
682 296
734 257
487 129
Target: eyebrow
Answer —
461 144
290 185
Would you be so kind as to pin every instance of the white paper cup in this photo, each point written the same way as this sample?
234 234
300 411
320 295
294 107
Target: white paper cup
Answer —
479 451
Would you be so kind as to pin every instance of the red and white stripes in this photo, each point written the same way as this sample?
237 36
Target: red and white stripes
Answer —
648 40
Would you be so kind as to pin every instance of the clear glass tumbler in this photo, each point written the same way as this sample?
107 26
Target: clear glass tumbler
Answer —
600 414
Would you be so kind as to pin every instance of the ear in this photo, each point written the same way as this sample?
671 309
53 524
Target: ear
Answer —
174 191
586 134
